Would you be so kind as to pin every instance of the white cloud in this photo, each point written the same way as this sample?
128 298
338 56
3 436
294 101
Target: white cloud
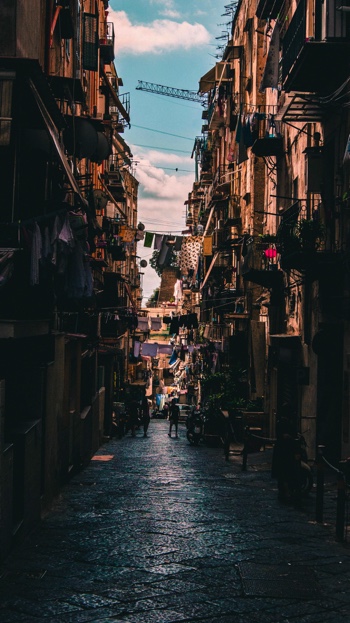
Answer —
155 157
157 183
156 37
161 209
167 8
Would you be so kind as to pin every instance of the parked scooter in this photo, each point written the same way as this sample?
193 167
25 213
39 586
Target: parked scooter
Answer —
195 427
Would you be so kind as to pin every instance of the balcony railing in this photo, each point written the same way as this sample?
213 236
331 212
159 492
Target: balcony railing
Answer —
313 51
107 43
294 39
268 139
217 108
261 264
301 239
222 178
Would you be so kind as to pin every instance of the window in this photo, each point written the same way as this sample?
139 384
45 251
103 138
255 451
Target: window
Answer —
90 42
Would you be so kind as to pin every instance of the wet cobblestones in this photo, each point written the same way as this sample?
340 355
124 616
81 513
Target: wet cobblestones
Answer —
155 530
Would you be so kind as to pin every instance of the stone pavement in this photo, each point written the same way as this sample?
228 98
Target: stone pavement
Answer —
157 531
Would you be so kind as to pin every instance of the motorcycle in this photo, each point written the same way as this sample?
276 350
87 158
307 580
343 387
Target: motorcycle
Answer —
195 426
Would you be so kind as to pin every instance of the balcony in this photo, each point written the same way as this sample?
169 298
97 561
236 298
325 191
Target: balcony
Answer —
231 302
301 241
261 264
217 108
106 43
268 140
115 182
313 58
222 178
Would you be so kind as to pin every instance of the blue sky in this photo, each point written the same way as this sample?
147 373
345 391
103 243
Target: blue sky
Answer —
172 43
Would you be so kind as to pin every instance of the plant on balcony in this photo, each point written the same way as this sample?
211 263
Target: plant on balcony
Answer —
267 238
224 391
311 234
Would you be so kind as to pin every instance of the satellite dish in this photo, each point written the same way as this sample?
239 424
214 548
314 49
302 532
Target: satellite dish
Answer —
143 263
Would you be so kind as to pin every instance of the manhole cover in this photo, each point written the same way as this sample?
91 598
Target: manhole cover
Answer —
284 581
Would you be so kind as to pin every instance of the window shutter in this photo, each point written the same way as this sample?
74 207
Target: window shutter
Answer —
90 42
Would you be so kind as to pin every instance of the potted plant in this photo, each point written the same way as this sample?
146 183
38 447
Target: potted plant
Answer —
311 234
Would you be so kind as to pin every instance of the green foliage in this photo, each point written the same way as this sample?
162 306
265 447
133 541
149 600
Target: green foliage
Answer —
310 232
224 390
172 261
153 299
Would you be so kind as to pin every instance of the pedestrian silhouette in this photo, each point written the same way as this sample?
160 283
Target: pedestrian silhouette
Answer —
174 417
145 416
133 412
283 460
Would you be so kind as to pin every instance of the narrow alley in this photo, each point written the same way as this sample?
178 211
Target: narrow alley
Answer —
156 530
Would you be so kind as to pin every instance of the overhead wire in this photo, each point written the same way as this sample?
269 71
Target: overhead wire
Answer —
162 132
181 151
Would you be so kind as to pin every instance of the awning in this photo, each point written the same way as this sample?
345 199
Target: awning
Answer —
209 220
122 148
270 77
115 98
80 138
209 270
54 137
103 149
127 288
207 81
111 196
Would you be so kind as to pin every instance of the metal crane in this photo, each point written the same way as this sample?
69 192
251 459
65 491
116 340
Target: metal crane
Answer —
183 94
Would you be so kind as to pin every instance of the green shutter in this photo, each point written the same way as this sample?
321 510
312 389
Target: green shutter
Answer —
90 42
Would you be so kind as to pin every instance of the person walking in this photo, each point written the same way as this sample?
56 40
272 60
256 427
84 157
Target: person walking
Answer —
283 460
133 413
145 416
174 417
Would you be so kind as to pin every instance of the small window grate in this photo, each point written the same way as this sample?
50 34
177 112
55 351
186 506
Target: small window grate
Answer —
90 42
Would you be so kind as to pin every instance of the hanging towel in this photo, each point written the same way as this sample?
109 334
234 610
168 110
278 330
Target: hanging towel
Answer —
156 324
149 349
165 349
178 243
148 239
142 323
158 239
173 358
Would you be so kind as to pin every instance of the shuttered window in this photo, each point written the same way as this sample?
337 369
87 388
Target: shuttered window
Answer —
90 42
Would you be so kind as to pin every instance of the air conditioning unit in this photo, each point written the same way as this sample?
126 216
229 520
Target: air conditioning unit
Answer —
223 72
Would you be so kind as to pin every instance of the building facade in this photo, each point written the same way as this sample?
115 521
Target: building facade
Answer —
70 283
271 200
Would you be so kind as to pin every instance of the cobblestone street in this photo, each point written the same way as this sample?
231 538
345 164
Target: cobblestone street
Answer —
155 530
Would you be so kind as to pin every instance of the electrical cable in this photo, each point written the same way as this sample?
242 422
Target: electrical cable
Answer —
152 166
181 151
161 132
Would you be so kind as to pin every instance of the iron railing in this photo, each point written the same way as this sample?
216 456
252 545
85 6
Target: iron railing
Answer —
294 39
